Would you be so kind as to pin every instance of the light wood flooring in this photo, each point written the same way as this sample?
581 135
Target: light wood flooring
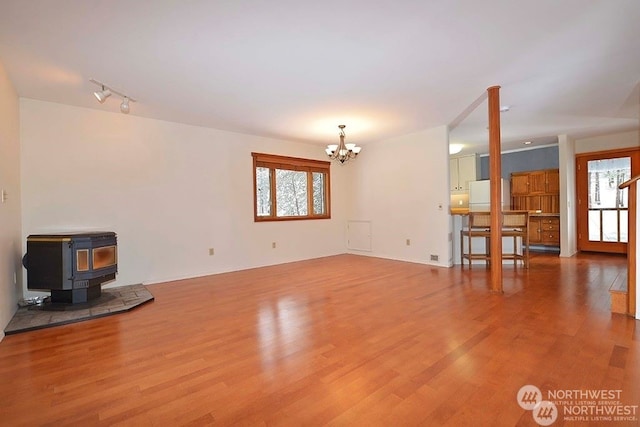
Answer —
344 340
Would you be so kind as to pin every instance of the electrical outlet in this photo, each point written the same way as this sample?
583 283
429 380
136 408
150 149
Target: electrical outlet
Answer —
273 245
408 242
3 196
211 251
434 257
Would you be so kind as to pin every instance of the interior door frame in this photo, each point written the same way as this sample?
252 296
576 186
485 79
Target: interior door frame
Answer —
582 190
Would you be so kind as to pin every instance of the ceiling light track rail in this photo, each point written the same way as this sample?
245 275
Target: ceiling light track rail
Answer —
105 91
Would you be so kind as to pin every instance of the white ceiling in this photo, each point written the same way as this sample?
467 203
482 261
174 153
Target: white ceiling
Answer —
296 69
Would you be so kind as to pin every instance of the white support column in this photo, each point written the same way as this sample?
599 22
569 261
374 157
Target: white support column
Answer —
568 220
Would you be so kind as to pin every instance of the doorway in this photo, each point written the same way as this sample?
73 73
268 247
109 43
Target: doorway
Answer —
603 209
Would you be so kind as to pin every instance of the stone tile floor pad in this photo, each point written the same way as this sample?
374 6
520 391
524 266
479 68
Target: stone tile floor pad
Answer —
111 301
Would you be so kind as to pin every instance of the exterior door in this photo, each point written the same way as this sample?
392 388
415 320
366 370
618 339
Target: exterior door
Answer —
603 209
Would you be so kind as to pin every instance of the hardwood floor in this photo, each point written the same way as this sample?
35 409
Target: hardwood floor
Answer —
343 340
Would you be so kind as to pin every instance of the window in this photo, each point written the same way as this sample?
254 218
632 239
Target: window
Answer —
287 188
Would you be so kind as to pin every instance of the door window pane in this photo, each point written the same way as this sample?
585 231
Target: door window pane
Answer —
610 226
604 178
594 226
624 226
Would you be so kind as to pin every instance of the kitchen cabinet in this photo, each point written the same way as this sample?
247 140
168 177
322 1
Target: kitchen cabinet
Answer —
539 193
537 182
536 190
553 181
544 230
463 170
545 181
519 184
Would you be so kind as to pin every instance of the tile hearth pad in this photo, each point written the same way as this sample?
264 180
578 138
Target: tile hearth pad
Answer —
112 301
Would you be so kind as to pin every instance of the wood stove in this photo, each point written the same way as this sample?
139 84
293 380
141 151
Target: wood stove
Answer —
72 265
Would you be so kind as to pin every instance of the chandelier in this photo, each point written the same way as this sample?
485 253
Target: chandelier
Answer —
342 152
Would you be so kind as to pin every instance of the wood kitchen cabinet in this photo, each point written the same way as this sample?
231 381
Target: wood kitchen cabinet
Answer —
539 193
552 178
519 184
545 181
537 182
536 190
544 230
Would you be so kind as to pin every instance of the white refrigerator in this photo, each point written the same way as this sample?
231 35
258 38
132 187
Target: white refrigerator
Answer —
480 196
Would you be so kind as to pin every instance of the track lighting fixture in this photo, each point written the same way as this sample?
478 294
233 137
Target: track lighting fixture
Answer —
102 95
124 107
106 91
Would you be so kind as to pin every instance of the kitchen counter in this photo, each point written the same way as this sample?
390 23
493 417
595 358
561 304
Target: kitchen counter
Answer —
544 214
544 231
459 211
465 211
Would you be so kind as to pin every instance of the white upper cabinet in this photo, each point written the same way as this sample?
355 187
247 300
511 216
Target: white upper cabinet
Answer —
463 170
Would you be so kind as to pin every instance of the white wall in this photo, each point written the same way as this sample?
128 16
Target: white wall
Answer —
401 186
10 237
170 192
568 220
608 142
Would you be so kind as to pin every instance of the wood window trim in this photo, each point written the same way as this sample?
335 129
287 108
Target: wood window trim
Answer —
273 162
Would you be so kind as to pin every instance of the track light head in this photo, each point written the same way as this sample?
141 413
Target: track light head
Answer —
124 107
102 95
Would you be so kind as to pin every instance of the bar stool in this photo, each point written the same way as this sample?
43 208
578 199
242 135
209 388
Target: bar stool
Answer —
479 226
516 224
